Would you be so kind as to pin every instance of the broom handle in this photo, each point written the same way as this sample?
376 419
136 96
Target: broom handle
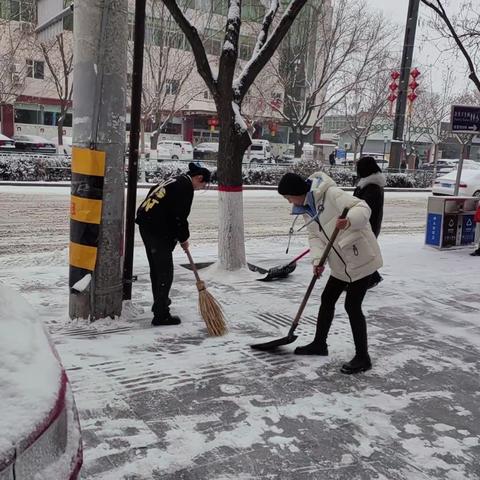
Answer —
323 259
296 259
192 264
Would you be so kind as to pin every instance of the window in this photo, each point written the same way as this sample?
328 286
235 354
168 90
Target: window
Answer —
207 95
247 44
35 69
19 10
172 86
253 10
213 41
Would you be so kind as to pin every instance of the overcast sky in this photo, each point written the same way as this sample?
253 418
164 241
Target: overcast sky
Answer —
426 53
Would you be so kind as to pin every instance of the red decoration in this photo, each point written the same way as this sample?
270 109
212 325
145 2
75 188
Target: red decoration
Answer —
413 85
412 96
273 127
415 73
395 75
393 86
392 97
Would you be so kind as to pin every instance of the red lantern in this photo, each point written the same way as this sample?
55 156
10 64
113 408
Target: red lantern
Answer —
413 85
393 86
395 75
415 73
412 96
392 97
273 127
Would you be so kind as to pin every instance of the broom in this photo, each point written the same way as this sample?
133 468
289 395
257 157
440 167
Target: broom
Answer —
210 309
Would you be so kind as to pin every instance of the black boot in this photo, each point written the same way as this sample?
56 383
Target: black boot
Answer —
167 320
476 253
357 364
314 348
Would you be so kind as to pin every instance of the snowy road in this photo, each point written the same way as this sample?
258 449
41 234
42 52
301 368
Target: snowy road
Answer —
36 219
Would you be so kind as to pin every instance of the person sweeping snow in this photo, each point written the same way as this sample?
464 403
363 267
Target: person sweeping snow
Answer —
354 257
163 221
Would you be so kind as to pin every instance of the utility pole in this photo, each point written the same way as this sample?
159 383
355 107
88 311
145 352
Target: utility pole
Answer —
408 47
98 179
135 113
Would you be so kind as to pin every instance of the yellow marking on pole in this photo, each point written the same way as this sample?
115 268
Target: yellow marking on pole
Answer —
82 256
88 162
85 210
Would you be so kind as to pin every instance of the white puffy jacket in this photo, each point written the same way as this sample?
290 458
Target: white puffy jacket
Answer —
355 253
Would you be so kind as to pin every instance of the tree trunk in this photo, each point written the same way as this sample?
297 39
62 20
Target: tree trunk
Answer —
355 149
297 141
232 146
61 121
156 134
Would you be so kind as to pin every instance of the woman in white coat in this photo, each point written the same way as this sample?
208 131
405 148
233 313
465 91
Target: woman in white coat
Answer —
355 255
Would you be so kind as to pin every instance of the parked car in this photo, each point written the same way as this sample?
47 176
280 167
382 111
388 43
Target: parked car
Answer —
34 143
206 151
288 156
469 183
177 150
39 428
258 152
66 147
6 144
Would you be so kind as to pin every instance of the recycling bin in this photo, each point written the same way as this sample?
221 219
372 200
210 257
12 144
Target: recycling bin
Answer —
451 222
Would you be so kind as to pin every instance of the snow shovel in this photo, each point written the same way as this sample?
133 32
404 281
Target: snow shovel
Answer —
282 271
290 338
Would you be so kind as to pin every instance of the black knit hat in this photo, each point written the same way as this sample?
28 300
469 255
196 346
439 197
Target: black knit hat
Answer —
194 169
367 166
292 184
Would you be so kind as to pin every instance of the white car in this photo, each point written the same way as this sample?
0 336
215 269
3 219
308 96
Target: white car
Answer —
39 428
6 144
34 143
258 152
177 150
206 151
469 183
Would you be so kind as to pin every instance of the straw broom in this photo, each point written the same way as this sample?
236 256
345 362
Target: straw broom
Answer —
210 309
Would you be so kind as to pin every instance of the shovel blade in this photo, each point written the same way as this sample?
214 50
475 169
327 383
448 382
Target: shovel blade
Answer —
274 344
276 273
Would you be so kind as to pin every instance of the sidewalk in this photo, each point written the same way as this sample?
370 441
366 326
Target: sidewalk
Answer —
170 403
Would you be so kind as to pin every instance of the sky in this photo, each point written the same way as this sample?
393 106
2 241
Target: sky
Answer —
426 52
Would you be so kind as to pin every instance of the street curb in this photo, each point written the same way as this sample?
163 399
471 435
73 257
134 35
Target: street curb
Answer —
212 187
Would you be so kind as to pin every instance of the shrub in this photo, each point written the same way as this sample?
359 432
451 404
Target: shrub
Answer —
32 167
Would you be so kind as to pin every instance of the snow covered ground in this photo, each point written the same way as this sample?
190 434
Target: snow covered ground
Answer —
171 403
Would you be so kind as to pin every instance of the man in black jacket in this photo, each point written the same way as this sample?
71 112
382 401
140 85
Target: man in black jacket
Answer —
163 221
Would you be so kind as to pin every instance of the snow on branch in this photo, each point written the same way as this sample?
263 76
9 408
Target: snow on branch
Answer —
239 120
266 46
203 65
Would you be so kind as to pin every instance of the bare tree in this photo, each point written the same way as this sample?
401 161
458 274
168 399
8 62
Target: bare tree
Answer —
13 40
228 91
363 105
349 45
58 55
463 30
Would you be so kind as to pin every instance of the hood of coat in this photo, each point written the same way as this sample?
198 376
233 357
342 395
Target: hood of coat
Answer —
321 182
376 179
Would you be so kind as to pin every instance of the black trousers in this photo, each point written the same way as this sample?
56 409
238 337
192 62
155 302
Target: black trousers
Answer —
159 253
353 305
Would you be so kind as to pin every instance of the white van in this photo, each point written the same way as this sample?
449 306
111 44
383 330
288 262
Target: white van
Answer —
258 152
177 150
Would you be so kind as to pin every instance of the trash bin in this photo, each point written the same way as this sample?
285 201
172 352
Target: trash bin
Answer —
451 222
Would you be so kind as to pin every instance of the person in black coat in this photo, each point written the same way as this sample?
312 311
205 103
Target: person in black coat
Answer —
163 221
370 185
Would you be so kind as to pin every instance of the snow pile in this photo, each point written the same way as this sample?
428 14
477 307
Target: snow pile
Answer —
29 371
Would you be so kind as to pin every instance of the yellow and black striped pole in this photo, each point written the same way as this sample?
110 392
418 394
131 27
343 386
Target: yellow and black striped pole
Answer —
88 170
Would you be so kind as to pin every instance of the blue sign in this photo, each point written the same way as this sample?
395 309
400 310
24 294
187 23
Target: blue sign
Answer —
465 119
434 228
468 230
340 153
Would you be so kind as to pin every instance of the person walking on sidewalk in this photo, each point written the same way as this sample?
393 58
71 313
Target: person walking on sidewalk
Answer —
354 257
163 221
370 185
476 252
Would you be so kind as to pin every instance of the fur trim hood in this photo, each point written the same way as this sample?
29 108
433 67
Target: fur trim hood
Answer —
376 178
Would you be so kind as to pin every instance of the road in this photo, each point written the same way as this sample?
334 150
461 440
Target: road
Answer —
36 219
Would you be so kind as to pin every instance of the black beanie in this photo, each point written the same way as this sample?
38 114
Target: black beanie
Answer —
194 170
293 184
367 166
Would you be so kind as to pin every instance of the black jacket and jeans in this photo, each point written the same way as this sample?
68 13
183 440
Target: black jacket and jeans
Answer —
162 219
